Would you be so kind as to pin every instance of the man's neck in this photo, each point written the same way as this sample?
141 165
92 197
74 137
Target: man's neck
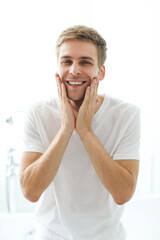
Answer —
76 105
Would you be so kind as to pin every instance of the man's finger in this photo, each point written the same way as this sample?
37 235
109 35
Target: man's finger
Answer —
58 80
64 94
87 95
93 94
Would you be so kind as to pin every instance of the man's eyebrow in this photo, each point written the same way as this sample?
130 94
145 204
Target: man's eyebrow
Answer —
66 56
87 58
84 57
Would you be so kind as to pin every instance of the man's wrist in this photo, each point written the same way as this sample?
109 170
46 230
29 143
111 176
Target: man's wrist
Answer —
86 134
66 131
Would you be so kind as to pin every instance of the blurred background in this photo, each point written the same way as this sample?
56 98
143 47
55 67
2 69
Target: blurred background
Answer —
29 30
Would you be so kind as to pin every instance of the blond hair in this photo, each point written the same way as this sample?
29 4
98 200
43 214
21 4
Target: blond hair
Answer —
83 33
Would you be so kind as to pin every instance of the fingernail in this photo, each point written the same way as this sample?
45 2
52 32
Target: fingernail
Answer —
95 81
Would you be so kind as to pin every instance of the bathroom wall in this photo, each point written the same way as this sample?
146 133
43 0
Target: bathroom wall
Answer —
11 198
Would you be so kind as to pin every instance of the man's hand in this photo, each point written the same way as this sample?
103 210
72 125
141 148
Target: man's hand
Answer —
68 117
87 109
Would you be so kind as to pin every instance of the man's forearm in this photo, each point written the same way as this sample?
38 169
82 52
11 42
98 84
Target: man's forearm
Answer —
38 175
116 179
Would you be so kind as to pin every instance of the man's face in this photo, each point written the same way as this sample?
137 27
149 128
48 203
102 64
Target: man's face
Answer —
77 67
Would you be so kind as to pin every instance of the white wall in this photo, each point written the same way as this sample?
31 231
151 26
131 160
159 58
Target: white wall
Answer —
29 30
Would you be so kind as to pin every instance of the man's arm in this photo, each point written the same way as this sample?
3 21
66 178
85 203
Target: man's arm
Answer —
38 170
119 177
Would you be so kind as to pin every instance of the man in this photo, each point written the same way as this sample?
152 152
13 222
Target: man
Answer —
81 152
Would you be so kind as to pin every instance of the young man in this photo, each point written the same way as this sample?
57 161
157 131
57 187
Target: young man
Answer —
81 152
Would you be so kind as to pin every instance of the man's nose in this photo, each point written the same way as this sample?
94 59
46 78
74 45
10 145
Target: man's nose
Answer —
74 69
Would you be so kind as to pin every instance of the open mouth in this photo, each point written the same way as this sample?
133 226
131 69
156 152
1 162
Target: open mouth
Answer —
75 84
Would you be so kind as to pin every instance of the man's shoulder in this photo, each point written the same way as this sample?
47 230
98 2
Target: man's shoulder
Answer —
121 105
43 106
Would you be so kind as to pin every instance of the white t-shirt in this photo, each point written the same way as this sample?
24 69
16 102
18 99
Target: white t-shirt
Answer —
76 205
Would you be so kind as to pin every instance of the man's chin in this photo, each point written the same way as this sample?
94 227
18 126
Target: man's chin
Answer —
75 99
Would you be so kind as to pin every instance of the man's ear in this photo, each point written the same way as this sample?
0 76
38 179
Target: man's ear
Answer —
101 74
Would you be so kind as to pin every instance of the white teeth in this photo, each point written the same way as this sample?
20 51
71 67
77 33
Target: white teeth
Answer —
75 83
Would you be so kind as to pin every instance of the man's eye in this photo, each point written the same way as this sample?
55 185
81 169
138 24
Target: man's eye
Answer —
86 62
66 62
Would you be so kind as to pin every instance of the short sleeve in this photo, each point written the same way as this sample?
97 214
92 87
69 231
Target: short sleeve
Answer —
32 141
129 146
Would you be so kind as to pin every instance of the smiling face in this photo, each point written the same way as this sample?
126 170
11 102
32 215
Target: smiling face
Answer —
78 66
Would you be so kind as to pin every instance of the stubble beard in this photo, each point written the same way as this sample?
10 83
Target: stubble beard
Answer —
79 98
